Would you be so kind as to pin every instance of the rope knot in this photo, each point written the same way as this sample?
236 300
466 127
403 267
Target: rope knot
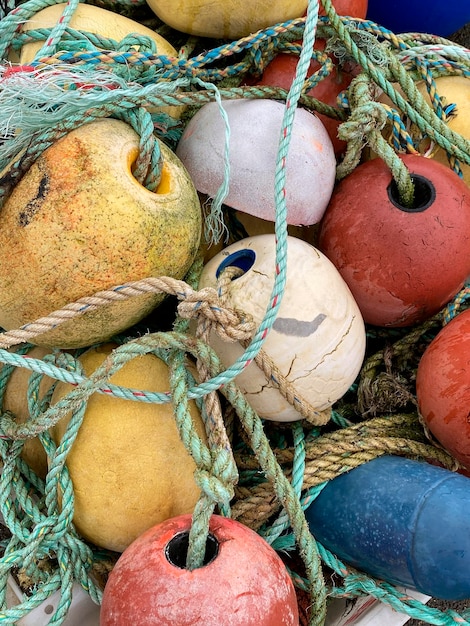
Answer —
364 120
214 487
206 306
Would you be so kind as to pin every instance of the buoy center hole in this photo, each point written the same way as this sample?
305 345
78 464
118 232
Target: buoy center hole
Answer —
176 549
424 195
241 259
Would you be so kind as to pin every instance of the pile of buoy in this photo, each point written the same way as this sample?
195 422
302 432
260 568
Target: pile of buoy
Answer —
233 281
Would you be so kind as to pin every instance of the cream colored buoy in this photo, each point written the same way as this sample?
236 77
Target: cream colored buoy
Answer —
78 222
255 131
128 465
318 338
93 19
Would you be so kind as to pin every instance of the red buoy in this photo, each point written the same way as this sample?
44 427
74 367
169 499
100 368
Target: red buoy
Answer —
443 387
242 583
401 264
353 8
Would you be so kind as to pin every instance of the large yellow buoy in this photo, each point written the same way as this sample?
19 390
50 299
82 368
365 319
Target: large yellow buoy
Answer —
128 465
79 222
92 19
225 19
453 90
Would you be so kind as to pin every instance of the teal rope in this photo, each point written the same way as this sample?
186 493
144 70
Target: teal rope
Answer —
57 31
419 112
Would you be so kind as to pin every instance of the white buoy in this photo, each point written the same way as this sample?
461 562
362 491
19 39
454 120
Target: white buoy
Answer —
255 130
318 337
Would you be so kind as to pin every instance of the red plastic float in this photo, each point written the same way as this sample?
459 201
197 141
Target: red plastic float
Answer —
243 583
353 8
443 387
402 265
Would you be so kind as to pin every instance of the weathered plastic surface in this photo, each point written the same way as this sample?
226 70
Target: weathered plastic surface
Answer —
400 520
255 128
318 339
243 582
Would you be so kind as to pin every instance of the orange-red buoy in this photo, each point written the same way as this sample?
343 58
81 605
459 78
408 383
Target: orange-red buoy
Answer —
242 583
401 264
443 387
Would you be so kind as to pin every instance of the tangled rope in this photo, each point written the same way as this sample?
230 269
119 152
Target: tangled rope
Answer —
263 476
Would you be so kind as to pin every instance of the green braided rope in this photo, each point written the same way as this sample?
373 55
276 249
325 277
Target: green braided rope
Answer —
216 472
425 119
57 31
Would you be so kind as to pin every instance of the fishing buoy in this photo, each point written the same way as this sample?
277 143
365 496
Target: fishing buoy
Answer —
14 399
403 521
454 93
353 8
225 19
317 340
443 387
255 131
280 72
420 16
243 582
79 222
88 18
128 465
401 264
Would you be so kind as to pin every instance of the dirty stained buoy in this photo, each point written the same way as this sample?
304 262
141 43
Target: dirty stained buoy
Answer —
255 131
317 339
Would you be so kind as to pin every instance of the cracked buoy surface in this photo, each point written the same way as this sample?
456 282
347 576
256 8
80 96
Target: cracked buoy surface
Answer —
317 340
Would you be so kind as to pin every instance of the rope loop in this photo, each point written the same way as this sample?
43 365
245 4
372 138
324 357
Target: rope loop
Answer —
262 474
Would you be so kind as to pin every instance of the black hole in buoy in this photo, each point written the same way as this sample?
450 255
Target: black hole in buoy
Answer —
425 194
176 549
243 259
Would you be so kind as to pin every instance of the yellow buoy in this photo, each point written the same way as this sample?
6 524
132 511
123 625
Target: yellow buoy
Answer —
225 19
15 400
453 90
92 19
79 222
128 465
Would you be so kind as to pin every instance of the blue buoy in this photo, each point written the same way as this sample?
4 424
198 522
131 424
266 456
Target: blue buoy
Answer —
402 521
422 16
